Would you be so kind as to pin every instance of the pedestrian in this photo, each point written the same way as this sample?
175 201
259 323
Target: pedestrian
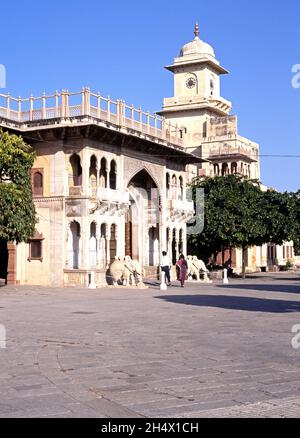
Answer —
227 265
181 269
165 267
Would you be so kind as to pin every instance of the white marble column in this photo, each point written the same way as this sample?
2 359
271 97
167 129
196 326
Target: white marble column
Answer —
85 243
108 244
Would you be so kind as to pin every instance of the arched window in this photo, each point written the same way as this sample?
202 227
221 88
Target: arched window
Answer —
103 246
224 169
76 176
75 245
36 247
180 188
113 175
204 132
174 252
168 185
174 187
212 86
93 171
37 182
234 168
180 242
167 238
216 170
103 173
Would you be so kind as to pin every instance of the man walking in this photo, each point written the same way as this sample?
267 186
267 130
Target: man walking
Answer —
165 267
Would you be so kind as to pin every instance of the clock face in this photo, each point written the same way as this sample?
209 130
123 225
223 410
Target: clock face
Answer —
191 82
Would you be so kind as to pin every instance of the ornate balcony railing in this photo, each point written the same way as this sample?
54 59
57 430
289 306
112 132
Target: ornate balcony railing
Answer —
177 204
65 106
105 194
233 149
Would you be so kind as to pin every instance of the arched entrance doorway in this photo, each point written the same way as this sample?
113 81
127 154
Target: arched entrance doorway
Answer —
142 222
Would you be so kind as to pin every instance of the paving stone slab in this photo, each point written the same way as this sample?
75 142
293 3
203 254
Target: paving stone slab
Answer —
211 351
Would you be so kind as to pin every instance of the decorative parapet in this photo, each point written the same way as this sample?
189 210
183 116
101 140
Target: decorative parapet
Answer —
222 126
233 147
223 140
65 106
104 194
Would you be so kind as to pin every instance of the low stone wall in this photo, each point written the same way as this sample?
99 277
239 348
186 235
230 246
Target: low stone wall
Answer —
81 277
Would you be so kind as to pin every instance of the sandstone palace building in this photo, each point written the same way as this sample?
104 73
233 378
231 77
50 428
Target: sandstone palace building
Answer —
102 166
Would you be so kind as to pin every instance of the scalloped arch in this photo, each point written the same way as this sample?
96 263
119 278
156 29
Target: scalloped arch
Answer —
137 171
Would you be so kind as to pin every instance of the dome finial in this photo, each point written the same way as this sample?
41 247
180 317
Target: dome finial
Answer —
196 31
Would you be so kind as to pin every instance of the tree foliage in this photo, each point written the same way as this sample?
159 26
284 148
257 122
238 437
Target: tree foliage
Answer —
278 214
238 214
295 220
17 212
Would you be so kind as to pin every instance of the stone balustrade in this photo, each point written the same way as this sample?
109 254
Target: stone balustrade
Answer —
65 106
119 196
184 206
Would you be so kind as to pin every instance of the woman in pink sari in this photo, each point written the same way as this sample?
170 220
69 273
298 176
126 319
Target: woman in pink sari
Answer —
181 269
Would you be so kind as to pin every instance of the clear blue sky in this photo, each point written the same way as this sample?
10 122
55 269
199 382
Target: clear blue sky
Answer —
119 48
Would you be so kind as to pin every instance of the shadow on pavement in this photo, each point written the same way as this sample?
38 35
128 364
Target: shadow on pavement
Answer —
247 304
286 278
278 277
283 288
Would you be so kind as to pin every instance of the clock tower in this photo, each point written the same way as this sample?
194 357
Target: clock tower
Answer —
197 96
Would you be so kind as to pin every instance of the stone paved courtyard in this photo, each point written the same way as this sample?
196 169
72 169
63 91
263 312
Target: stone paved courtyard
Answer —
202 351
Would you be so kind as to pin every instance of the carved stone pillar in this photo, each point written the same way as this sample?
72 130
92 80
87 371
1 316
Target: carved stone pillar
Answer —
184 240
85 173
108 245
12 263
169 248
98 237
107 176
128 244
176 243
97 174
85 241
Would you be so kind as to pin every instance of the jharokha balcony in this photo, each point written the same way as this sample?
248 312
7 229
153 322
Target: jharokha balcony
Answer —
101 194
112 195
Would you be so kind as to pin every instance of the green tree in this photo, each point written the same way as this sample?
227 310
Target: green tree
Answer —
17 212
279 216
294 223
238 214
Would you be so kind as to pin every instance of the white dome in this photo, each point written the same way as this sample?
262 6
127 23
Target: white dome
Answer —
197 47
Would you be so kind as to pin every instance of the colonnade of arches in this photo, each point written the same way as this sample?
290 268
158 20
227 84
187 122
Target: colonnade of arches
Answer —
175 243
174 187
97 244
102 246
233 168
102 172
